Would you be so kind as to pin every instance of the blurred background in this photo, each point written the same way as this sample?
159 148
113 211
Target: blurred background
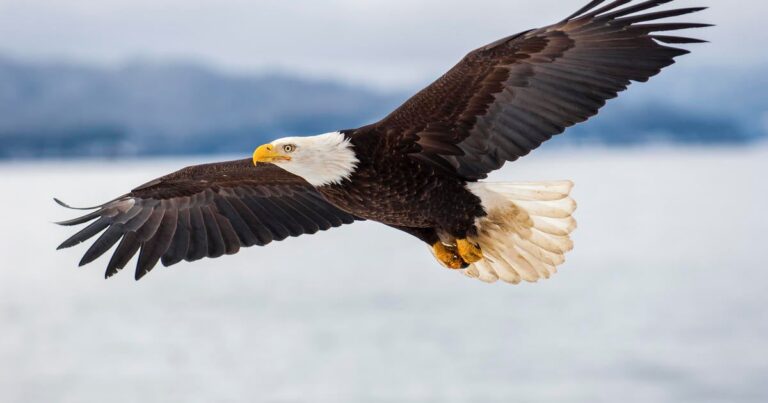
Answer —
662 300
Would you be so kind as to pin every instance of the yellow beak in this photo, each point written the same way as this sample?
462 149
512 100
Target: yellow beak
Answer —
267 153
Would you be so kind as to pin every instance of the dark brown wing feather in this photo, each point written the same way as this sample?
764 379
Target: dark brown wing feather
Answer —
503 100
204 211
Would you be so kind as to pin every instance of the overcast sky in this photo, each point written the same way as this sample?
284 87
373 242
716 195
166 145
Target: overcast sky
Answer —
385 43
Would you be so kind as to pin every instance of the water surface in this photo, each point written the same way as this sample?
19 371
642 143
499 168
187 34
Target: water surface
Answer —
663 300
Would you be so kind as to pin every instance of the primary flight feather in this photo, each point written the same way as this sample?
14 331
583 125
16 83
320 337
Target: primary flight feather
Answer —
419 169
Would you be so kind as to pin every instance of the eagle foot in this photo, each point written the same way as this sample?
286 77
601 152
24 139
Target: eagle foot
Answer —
468 251
448 256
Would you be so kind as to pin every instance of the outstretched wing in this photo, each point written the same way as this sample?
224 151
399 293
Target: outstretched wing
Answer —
204 211
505 99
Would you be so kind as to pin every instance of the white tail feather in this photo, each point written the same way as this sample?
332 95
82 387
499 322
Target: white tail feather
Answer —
527 230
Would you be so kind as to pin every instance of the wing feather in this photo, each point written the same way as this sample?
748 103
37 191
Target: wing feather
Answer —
236 221
270 216
180 243
107 240
198 243
86 233
154 248
203 211
228 234
260 231
505 99
126 249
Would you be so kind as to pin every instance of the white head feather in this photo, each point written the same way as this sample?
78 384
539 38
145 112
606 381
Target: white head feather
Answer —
321 160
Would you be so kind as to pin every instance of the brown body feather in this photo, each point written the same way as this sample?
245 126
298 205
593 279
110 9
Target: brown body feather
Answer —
390 187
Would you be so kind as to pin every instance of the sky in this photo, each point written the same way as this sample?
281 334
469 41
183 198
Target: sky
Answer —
382 43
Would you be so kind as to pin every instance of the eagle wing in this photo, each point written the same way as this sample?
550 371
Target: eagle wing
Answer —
505 99
204 211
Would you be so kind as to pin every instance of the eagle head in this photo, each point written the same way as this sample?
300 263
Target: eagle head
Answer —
321 160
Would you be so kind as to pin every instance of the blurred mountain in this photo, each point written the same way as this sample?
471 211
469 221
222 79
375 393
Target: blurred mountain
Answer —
53 109
685 105
145 108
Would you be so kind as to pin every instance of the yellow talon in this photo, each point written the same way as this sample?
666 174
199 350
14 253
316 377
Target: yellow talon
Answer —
468 251
448 256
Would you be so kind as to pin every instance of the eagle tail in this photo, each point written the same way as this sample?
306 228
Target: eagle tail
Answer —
526 231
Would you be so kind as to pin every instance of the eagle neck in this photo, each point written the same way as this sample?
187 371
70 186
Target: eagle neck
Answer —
334 162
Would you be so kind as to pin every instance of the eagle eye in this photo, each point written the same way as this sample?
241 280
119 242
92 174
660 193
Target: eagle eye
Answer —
289 148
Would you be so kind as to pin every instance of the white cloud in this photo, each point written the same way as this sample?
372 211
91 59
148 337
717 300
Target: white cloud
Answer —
395 42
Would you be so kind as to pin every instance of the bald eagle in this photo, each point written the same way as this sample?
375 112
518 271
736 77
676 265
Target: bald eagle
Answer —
421 168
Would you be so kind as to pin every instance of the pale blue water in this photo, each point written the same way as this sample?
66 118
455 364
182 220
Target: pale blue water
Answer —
663 300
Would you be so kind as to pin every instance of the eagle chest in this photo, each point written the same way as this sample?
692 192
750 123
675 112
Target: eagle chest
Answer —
403 193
